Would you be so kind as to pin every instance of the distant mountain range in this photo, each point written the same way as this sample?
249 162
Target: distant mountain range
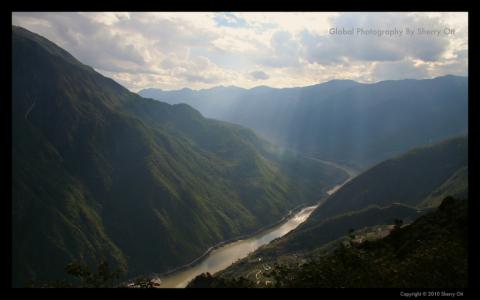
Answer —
340 120
102 173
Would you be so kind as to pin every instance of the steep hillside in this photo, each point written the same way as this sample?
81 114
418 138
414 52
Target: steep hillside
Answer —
101 173
407 179
430 253
323 237
369 202
341 120
307 239
456 186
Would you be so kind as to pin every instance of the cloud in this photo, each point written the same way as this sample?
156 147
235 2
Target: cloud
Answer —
229 20
107 18
199 78
259 75
283 51
172 50
400 70
327 48
90 38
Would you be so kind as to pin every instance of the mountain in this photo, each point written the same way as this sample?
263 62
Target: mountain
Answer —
100 173
456 186
322 238
389 191
409 179
429 253
309 238
341 120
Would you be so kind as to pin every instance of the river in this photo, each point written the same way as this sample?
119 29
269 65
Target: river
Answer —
222 257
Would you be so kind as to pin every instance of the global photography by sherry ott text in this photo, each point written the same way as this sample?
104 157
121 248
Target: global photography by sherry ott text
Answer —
393 32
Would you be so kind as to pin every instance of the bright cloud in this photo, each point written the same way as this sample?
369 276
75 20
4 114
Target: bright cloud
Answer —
172 50
259 75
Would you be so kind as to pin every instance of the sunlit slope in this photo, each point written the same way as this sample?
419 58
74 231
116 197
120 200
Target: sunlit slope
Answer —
101 173
341 120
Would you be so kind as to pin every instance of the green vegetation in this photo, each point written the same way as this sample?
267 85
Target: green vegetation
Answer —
364 209
104 277
341 120
429 253
321 238
409 179
206 280
309 238
456 186
100 173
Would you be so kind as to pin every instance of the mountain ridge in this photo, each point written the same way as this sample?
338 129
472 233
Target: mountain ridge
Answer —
432 252
331 81
368 200
102 173
343 121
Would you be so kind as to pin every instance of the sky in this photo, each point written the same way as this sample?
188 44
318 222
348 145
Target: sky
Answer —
197 50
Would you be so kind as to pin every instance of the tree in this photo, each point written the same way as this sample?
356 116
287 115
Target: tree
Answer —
398 223
145 283
104 277
351 233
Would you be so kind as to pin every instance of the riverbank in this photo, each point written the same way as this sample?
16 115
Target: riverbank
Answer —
291 212
226 255
175 277
200 259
